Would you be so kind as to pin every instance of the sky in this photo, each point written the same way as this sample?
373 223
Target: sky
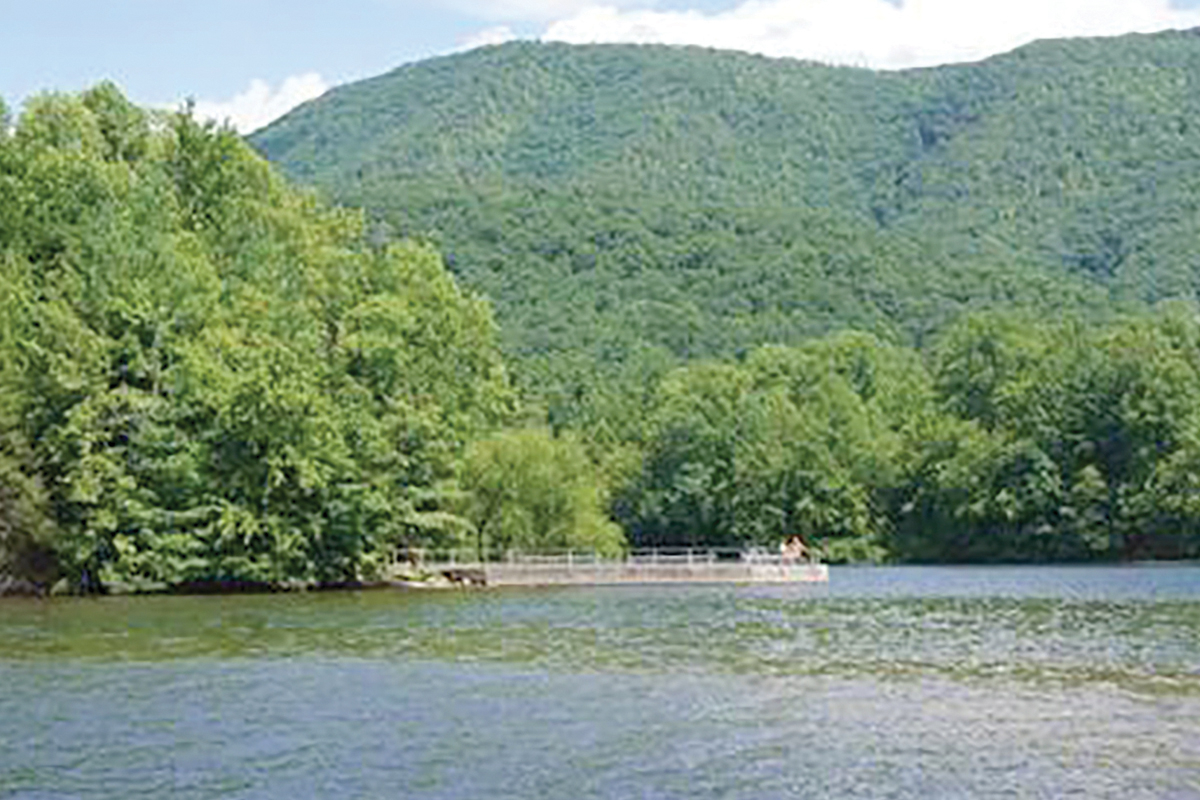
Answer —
250 61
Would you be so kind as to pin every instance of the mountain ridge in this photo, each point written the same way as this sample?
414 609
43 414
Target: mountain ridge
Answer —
750 199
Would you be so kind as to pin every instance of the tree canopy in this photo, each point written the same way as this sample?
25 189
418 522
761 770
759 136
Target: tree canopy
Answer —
611 197
207 375
528 491
1021 442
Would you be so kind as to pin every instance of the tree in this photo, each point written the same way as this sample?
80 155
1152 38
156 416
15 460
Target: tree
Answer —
209 376
530 492
793 441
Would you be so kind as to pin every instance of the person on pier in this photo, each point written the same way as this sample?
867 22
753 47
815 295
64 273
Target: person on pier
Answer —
793 549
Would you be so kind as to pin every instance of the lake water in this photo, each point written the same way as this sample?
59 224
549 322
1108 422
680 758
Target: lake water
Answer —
903 682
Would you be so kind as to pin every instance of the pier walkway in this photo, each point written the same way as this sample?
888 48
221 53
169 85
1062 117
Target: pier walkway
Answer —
589 569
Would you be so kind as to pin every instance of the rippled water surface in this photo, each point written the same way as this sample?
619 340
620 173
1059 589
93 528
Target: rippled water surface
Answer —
889 682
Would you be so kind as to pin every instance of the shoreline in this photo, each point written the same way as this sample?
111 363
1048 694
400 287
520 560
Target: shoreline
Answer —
21 588
18 588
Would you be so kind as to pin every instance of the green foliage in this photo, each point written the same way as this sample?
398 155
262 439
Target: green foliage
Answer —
610 198
631 209
534 493
206 375
26 535
793 441
1028 442
1090 452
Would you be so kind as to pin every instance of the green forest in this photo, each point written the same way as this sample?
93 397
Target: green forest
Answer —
602 298
208 376
704 202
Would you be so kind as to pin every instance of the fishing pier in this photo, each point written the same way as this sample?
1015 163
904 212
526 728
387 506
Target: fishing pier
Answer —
591 569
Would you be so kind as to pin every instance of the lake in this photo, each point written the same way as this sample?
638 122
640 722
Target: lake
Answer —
890 682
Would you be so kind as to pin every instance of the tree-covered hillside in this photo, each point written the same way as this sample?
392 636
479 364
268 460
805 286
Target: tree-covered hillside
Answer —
207 376
631 209
943 315
614 198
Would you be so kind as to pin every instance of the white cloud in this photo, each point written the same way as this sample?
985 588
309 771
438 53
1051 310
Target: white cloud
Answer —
873 33
259 103
497 35
534 10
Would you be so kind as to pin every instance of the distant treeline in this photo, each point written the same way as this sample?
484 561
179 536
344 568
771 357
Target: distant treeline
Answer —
208 376
1011 440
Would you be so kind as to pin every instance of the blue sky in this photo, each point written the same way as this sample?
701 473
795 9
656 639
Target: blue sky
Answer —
250 60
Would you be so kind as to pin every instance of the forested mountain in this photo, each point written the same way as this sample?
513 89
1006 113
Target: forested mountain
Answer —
645 219
609 198
944 314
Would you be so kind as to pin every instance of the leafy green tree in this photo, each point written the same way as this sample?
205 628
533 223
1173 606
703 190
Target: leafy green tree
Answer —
793 441
208 376
1086 426
531 492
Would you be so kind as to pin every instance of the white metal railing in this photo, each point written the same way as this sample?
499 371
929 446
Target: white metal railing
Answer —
466 557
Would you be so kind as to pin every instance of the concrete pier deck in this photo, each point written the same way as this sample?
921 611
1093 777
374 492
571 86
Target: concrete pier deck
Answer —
654 567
